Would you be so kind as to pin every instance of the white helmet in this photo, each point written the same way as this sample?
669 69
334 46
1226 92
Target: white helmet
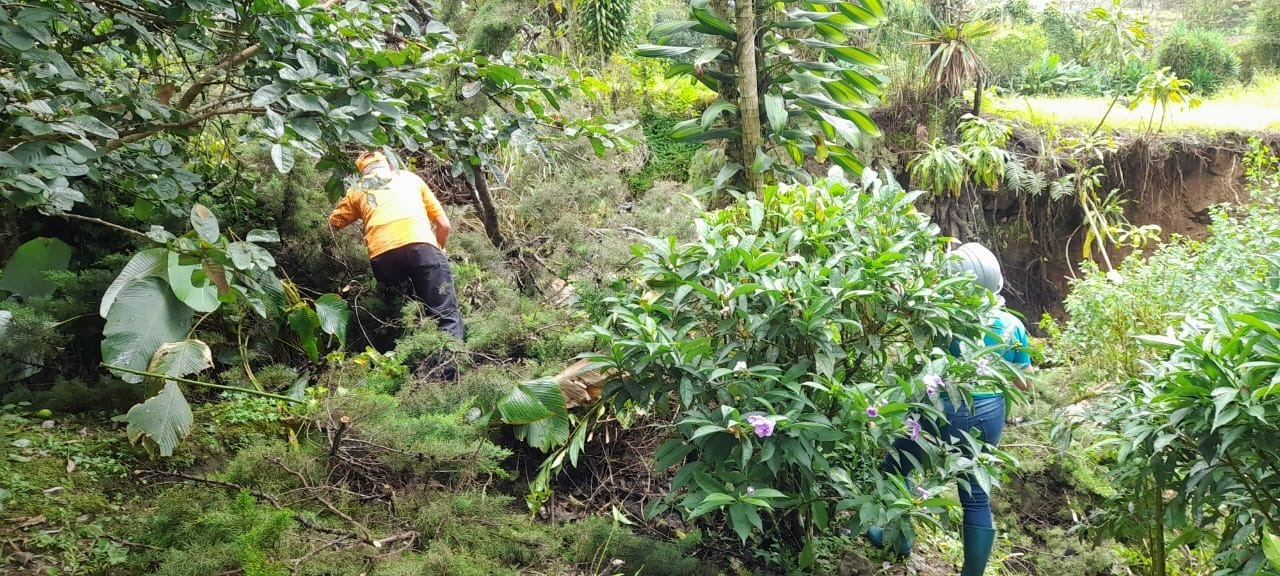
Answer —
982 263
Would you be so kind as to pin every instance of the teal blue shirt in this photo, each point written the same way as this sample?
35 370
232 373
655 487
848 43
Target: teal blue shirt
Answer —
1004 329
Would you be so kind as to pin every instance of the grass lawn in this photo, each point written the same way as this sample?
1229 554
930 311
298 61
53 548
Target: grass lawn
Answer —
1252 108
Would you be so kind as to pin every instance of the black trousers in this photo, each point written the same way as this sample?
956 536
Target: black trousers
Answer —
430 279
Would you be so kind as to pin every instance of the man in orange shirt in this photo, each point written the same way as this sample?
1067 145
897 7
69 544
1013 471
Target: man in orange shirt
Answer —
399 211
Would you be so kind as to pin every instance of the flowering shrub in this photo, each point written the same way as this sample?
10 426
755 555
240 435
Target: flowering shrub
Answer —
796 339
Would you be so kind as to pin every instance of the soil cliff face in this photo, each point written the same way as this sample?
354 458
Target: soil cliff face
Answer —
1170 182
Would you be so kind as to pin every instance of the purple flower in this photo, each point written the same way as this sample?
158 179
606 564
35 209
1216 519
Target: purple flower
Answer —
872 412
982 367
751 490
763 426
921 491
913 428
932 383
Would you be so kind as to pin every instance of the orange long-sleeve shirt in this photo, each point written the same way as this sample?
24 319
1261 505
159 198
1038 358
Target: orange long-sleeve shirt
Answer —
398 212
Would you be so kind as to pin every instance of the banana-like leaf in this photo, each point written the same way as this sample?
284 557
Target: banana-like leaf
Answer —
655 51
715 110
864 122
1271 547
845 159
775 109
25 272
304 321
837 127
162 421
846 94
710 135
686 129
144 316
709 23
820 101
860 16
668 29
200 294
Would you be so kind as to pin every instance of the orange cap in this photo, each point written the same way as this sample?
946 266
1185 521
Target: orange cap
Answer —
368 159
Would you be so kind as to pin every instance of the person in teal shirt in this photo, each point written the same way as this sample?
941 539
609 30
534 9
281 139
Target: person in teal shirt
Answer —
984 419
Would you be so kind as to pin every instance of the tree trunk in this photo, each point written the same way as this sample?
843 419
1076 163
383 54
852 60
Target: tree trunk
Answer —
748 93
977 97
486 208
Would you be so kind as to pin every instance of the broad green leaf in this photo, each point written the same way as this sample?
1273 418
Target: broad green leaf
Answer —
24 274
715 110
201 295
669 28
523 405
1271 547
775 108
144 316
709 23
162 421
205 223
282 156
304 321
740 519
269 94
181 359
263 236
333 313
149 262
538 407
654 51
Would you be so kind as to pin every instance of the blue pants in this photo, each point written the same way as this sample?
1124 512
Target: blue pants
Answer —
986 422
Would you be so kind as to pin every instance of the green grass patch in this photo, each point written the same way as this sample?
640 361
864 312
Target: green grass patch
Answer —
1251 108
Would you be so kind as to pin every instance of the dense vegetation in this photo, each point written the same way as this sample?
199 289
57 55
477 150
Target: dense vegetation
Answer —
731 221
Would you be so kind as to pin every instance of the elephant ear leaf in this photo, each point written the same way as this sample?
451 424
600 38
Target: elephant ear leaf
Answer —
162 421
24 274
144 316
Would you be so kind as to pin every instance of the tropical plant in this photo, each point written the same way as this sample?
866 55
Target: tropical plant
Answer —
1008 52
1115 37
1061 34
1200 55
954 61
1266 32
788 83
1194 439
1050 75
84 131
1162 88
605 24
796 339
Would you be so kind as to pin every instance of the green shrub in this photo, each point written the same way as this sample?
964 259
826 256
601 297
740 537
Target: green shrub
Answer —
796 336
1194 436
1051 75
1010 51
1201 56
1266 32
668 159
1061 36
1149 295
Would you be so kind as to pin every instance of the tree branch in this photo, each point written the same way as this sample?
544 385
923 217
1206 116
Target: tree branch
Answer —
101 222
225 66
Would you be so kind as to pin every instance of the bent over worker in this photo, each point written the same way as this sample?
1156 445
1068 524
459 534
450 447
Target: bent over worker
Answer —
405 231
984 419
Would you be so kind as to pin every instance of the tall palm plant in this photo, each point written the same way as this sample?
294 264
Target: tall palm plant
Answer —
954 61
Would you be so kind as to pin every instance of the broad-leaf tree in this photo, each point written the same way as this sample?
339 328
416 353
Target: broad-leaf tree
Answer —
121 114
791 86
